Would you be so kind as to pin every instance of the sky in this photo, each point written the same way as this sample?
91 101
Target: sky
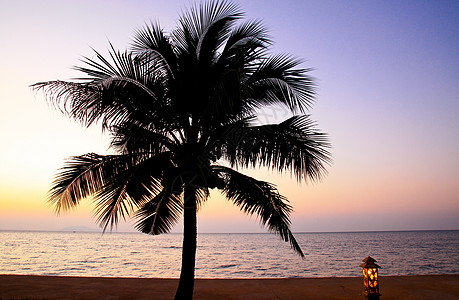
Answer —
388 97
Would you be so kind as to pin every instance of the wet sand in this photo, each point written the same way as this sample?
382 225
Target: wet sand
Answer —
59 287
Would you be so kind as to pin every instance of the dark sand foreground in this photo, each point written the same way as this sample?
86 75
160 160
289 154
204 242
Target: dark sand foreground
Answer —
392 287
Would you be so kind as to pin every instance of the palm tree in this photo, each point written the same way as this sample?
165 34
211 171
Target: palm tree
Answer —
178 106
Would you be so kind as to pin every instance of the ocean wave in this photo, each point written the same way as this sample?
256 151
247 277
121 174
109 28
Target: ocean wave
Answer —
228 256
226 266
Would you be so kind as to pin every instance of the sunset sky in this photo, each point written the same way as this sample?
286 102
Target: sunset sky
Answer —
388 76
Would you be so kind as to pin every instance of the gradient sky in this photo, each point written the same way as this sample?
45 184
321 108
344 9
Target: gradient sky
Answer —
388 75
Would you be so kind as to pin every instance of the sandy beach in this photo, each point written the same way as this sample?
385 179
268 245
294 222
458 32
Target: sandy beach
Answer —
59 287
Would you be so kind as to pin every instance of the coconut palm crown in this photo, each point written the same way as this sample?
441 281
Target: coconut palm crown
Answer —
180 109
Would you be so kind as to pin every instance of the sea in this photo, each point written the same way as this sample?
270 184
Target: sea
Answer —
226 255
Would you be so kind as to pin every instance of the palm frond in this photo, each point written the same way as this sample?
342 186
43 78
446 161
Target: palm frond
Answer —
262 199
246 43
87 102
147 72
277 81
113 202
294 145
244 46
214 36
151 42
82 176
197 20
160 213
126 89
125 191
131 137
61 95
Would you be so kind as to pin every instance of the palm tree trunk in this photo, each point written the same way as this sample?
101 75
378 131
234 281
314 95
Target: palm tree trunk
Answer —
186 283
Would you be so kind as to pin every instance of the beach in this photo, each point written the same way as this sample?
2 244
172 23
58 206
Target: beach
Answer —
62 287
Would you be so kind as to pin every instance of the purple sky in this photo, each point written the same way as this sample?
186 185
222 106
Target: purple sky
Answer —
388 97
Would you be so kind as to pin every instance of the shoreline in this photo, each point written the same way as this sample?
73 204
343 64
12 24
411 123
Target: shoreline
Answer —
70 287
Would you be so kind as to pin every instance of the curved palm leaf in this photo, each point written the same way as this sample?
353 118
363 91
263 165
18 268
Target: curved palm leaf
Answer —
131 189
81 177
150 42
159 214
262 199
276 81
245 45
198 20
129 89
293 145
134 138
118 183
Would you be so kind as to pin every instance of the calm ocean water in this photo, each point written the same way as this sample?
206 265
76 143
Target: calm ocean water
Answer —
227 255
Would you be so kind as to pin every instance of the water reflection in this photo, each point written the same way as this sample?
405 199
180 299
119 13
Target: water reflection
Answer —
227 255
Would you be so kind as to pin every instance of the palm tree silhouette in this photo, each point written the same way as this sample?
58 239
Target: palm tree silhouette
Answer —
178 106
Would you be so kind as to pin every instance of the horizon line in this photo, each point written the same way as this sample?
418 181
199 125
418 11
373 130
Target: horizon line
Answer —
298 232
